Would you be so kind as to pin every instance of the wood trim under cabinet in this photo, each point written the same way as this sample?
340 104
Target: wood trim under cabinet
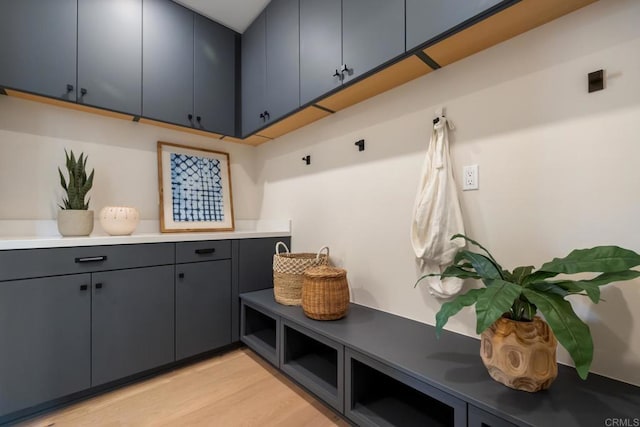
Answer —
293 122
395 75
508 23
67 104
250 140
180 128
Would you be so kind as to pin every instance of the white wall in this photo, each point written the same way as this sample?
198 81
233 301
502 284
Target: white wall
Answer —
558 170
33 137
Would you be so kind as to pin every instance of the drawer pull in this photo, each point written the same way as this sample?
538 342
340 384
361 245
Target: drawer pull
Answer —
205 251
92 259
98 285
83 287
181 276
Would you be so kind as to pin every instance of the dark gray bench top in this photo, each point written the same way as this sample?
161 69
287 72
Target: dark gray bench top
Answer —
452 364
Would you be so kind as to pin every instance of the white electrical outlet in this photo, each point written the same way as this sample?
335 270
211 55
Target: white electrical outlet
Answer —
470 177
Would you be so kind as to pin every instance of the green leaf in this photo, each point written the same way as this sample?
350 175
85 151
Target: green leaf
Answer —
459 272
63 182
606 259
519 273
549 287
462 236
496 301
481 264
452 307
571 332
592 287
538 276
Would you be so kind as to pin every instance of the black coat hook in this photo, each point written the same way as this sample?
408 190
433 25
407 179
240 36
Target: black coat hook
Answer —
360 145
307 159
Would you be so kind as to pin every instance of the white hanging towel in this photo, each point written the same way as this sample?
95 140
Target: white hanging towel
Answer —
437 215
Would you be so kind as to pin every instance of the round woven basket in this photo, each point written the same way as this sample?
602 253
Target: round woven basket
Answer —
325 293
288 270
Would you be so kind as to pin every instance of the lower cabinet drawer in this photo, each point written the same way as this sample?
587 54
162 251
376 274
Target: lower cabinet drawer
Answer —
379 395
31 263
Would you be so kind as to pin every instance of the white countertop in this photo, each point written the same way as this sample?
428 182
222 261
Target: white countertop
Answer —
19 234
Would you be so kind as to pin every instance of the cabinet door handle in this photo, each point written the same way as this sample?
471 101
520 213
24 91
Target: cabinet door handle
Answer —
69 88
199 119
98 285
344 68
267 115
190 116
92 259
181 276
337 74
83 287
205 251
83 91
262 116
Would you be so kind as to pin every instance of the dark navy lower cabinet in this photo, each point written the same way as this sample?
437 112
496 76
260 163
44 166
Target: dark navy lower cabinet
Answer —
378 395
480 418
314 361
45 329
259 330
132 328
203 309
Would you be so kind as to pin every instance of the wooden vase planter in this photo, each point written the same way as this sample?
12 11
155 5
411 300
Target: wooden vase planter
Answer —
520 355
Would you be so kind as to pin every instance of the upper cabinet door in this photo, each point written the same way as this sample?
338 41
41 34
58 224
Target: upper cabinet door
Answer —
109 52
38 46
428 19
214 84
372 34
254 71
283 58
167 62
320 47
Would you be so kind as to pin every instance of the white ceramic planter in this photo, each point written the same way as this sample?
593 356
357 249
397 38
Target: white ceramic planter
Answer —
119 220
75 222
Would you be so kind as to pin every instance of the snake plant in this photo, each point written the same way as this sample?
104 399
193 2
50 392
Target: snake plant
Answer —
79 184
520 293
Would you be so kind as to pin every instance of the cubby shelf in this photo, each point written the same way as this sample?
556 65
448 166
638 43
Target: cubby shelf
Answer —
314 361
259 331
393 371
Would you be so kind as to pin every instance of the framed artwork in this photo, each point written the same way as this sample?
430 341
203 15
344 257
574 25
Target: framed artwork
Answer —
195 189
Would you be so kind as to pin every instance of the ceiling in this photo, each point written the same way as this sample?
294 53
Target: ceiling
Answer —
235 14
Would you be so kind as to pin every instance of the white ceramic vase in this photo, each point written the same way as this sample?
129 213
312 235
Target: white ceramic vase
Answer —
119 220
75 222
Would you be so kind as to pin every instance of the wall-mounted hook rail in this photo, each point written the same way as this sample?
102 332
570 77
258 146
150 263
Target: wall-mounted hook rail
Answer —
360 145
307 159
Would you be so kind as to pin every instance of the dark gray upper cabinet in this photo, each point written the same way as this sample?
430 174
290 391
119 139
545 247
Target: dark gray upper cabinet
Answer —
341 40
320 47
271 65
189 68
372 34
283 58
428 19
109 52
214 94
254 75
203 309
133 322
167 62
45 331
38 46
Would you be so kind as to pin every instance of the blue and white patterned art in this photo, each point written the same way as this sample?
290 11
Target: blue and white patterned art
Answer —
196 188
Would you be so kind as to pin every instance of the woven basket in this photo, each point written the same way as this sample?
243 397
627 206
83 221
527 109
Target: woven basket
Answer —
325 293
288 272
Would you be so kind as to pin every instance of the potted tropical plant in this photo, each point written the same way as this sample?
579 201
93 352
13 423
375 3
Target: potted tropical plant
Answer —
506 309
75 218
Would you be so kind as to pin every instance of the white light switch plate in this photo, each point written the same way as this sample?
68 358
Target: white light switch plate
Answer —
470 177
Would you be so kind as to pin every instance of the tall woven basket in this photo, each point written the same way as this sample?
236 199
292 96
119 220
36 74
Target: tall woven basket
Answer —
288 269
325 293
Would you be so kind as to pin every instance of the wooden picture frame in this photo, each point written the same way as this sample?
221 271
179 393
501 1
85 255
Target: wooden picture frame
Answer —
195 189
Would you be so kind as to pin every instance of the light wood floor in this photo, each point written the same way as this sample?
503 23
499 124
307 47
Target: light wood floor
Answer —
234 389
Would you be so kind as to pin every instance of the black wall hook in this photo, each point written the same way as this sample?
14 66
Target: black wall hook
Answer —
360 145
307 159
